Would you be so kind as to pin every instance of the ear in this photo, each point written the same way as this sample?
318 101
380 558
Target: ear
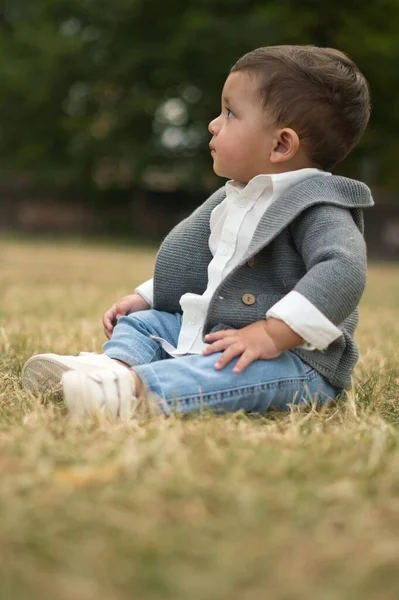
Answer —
285 145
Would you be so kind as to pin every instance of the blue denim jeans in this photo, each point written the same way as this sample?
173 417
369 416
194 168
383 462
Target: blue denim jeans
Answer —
190 383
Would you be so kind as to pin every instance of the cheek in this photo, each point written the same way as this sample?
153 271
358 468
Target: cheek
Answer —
230 146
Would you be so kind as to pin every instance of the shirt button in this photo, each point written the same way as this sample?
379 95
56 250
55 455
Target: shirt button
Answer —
223 250
248 299
251 262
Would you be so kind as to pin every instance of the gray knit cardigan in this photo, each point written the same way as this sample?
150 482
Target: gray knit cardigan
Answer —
309 240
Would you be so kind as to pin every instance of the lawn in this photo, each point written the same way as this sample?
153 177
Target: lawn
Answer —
283 507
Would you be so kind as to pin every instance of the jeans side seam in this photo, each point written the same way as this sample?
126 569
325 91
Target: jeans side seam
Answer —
212 397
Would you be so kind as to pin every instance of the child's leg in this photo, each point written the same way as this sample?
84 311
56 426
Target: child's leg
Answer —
131 342
189 383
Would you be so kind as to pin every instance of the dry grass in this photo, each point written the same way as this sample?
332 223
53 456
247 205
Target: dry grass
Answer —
298 506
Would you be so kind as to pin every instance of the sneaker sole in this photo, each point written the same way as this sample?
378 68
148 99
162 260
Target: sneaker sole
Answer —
43 374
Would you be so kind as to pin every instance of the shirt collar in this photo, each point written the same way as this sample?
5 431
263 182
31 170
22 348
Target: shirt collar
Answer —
278 182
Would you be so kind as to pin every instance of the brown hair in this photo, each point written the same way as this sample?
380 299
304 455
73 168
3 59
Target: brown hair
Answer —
318 92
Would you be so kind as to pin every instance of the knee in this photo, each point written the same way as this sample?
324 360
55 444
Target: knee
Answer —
138 320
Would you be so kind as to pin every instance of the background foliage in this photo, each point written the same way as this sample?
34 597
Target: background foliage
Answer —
104 95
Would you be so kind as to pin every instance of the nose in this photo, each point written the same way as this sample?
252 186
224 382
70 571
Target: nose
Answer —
213 126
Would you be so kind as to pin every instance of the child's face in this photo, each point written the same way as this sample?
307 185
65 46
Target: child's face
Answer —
242 143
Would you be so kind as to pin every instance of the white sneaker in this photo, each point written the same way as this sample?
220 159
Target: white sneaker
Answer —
106 392
43 373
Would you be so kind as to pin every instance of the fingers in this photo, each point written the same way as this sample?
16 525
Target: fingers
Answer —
220 345
109 320
245 360
232 347
107 330
228 355
119 309
218 335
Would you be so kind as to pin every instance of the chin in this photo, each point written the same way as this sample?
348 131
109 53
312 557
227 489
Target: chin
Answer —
222 173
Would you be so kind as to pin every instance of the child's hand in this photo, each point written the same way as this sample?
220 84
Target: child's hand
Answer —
124 306
261 340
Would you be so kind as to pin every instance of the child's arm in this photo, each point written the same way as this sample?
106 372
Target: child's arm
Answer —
334 252
282 335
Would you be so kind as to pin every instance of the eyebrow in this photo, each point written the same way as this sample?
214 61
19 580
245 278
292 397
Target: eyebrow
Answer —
226 99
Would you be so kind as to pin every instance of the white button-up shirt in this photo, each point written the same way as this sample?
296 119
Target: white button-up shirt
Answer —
232 225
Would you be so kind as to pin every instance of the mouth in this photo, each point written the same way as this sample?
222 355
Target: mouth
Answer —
212 149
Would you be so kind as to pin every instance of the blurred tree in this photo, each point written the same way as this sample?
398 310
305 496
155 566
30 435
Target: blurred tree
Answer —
119 94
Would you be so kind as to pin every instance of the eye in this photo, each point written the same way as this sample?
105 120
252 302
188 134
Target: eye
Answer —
229 113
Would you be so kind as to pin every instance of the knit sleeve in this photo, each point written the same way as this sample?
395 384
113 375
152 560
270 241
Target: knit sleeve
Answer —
334 252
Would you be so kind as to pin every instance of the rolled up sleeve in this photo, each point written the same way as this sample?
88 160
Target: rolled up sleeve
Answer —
306 320
146 290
